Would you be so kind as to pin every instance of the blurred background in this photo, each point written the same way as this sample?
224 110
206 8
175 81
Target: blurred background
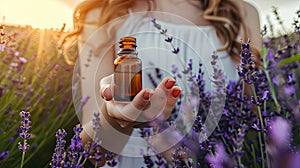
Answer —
53 13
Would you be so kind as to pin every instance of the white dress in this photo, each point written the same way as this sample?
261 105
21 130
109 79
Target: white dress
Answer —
194 42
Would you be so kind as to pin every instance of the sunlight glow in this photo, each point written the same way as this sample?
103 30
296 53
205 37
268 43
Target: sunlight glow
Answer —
53 13
37 13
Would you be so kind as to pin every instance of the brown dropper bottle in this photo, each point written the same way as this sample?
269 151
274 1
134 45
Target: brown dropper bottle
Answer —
128 71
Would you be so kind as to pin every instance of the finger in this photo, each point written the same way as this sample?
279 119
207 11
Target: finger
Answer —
129 111
107 93
173 96
107 82
141 100
158 100
157 104
166 84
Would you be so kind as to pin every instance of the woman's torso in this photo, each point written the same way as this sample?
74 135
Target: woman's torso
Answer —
196 43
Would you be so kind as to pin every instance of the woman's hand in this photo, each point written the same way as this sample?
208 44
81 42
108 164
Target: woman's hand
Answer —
147 106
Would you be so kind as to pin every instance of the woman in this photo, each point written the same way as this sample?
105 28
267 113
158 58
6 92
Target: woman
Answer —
197 27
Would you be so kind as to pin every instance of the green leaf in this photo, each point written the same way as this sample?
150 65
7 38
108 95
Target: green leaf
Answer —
289 60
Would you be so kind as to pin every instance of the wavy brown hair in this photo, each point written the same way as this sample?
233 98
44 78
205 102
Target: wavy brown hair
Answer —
223 15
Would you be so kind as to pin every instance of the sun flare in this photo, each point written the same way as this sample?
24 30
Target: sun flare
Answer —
37 13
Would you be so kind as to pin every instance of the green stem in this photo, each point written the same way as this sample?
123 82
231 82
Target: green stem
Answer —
79 160
253 154
260 138
239 161
258 108
267 156
22 160
223 140
273 93
85 159
241 111
261 149
272 90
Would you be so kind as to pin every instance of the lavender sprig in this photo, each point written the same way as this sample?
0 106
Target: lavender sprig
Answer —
180 157
59 155
278 18
97 153
238 144
220 159
246 69
148 161
279 147
75 148
95 148
110 159
24 128
4 155
168 39
160 161
248 72
96 127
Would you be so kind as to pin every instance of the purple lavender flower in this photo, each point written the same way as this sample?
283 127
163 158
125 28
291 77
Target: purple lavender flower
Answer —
92 150
168 39
294 161
156 25
87 149
175 50
4 155
270 54
148 161
174 70
112 163
180 156
75 148
23 147
279 148
98 155
24 128
110 159
59 155
280 132
239 140
160 161
145 132
96 127
220 159
218 77
247 70
83 101
76 140
96 122
289 90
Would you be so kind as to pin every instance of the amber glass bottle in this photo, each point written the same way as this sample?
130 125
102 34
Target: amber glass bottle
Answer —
128 71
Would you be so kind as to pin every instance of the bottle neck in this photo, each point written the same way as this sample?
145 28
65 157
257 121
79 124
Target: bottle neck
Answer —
127 51
127 46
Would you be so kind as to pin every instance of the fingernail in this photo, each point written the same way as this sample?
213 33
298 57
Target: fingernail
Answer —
176 93
170 83
106 93
147 95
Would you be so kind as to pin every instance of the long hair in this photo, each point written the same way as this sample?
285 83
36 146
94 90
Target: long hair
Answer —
226 18
223 15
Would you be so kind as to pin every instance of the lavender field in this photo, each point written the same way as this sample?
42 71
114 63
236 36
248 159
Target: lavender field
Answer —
34 78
